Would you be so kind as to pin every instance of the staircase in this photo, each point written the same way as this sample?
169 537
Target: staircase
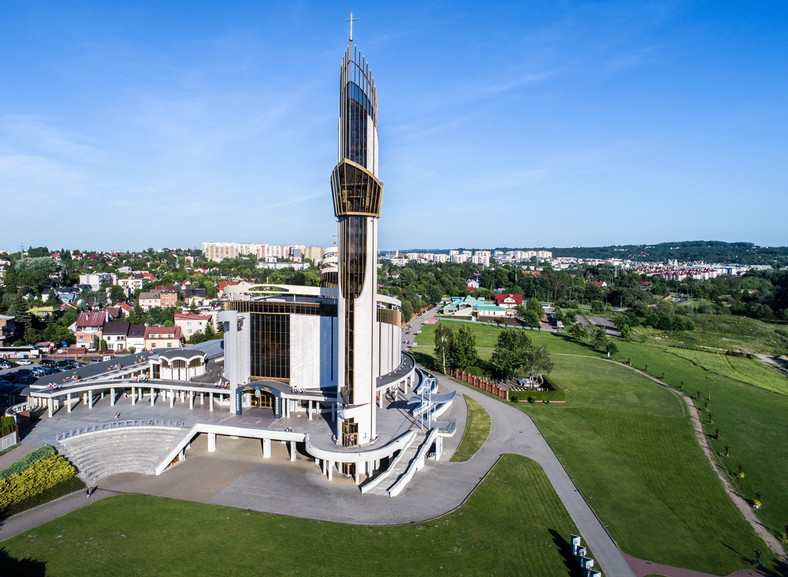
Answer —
126 450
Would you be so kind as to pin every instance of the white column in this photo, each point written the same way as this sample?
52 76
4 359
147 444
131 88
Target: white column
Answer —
266 448
172 397
356 475
90 399
211 442
68 400
202 398
191 400
292 451
330 470
310 409
210 400
49 406
133 396
151 396
112 397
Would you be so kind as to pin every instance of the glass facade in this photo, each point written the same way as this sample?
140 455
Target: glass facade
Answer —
270 346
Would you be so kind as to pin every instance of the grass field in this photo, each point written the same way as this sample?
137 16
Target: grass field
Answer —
745 407
477 428
628 444
513 524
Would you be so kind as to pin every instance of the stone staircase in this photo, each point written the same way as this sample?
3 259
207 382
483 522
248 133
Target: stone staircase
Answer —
125 450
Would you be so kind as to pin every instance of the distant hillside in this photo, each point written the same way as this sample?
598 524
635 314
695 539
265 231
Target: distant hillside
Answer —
709 251
688 250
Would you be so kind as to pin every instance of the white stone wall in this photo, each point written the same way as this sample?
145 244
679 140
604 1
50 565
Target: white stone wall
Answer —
305 351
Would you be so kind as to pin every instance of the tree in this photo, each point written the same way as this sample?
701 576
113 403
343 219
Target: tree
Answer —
611 348
462 350
510 354
578 332
534 305
531 319
117 294
538 361
599 338
443 338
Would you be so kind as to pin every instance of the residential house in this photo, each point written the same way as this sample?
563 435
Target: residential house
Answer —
88 326
508 301
7 329
191 324
162 338
115 335
196 296
149 299
135 339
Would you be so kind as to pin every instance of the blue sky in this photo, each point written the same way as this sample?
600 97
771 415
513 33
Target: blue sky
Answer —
520 124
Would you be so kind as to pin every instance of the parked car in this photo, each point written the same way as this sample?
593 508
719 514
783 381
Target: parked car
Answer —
24 362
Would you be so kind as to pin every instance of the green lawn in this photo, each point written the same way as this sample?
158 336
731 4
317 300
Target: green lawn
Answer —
629 445
477 428
513 524
750 418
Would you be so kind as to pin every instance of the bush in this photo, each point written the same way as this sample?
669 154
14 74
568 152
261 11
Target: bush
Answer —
7 426
42 475
514 397
25 462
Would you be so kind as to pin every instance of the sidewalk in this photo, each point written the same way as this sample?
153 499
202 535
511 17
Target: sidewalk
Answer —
32 518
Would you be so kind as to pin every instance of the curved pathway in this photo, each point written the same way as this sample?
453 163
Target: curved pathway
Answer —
746 510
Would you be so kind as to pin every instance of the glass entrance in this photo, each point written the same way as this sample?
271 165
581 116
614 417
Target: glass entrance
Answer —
262 400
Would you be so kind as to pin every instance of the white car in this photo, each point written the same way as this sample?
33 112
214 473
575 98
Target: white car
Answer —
24 362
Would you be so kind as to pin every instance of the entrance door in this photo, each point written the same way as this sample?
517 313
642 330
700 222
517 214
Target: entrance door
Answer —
262 400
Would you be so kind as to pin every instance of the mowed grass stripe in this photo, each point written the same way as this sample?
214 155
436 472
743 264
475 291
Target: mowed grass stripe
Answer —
477 429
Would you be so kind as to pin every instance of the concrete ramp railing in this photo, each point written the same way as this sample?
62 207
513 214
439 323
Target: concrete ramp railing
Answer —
374 482
416 465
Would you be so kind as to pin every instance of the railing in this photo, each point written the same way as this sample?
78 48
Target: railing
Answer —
15 409
374 482
447 428
415 465
121 425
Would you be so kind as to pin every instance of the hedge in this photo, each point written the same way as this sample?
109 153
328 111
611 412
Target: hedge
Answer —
7 426
42 475
27 461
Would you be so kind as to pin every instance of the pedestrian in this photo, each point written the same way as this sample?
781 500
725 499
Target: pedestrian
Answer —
87 493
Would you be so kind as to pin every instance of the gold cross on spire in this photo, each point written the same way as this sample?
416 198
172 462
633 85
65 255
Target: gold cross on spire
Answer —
351 20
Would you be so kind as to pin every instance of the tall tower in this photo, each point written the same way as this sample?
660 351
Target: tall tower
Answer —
357 196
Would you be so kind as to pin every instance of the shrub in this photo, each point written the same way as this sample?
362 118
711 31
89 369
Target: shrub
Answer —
27 461
514 397
7 426
44 474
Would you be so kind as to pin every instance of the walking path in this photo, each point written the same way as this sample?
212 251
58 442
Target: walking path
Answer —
32 518
18 452
744 507
300 490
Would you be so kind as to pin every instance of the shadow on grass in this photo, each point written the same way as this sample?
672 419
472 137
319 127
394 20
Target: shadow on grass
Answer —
741 556
566 553
424 360
27 567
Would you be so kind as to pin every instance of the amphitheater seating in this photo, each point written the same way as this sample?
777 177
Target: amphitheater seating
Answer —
125 450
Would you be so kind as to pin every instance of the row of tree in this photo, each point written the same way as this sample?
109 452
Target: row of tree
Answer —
514 357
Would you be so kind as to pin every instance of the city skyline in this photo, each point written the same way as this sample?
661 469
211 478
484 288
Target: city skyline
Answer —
533 126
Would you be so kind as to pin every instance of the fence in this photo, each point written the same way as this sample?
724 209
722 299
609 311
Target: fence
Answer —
482 383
